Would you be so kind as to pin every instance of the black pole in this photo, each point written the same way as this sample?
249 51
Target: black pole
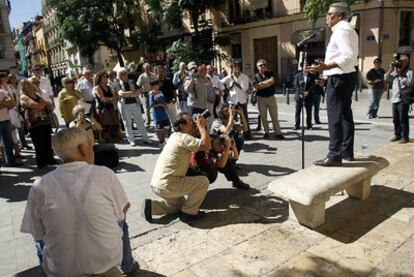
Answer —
302 88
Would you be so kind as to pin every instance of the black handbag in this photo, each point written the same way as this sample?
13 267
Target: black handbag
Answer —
407 95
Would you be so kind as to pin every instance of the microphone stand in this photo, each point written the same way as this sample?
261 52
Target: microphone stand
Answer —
302 88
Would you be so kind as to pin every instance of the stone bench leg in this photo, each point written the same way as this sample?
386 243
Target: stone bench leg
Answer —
360 190
311 216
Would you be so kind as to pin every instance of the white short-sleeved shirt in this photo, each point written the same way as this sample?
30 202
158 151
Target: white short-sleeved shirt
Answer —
237 94
75 210
174 159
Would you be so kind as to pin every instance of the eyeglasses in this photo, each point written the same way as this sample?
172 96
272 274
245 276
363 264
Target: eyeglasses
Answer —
262 65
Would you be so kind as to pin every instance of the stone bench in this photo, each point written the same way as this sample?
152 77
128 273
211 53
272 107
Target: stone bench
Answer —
307 190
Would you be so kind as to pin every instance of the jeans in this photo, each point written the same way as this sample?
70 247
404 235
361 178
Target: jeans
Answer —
6 137
183 106
316 106
374 98
127 112
401 120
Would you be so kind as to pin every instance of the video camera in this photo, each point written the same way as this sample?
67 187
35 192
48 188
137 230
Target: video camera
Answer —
222 136
236 106
206 114
396 63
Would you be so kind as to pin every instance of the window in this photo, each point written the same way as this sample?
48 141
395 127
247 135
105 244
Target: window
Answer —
406 28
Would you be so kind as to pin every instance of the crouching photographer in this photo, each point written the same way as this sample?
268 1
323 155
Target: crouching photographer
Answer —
231 122
223 153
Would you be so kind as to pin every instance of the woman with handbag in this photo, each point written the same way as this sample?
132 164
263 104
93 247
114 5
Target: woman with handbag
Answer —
107 115
36 113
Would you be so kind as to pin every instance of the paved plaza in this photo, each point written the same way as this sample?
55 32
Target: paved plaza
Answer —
248 233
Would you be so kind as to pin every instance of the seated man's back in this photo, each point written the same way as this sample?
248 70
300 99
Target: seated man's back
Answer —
75 210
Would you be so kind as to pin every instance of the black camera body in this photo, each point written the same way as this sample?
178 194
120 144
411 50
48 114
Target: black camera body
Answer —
396 63
206 114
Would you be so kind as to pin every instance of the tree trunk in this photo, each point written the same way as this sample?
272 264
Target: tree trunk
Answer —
120 59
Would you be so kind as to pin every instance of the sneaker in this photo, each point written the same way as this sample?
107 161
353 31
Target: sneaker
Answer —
395 139
265 135
240 185
403 140
132 143
190 217
27 147
147 210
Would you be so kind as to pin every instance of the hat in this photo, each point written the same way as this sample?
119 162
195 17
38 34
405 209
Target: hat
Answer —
260 62
191 65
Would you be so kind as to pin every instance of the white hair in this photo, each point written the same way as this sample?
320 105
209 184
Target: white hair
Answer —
65 143
343 8
121 71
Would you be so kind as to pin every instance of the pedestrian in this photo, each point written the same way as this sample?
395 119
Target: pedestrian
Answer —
318 93
401 76
143 84
263 82
178 81
169 92
77 212
217 86
44 84
85 86
375 79
179 193
303 83
238 84
68 98
341 59
159 109
36 112
129 105
196 90
107 114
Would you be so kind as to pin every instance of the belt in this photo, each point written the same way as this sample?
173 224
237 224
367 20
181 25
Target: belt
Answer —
90 102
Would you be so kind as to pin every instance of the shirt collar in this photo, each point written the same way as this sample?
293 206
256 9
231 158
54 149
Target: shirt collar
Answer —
73 164
339 25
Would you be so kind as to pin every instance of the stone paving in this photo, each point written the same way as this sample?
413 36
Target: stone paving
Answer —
247 233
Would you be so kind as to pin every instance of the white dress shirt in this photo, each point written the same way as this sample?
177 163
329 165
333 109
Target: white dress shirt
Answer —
236 94
46 86
342 49
86 87
75 210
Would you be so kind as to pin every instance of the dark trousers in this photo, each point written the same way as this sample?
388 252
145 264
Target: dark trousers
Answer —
340 119
42 141
229 171
308 110
401 120
6 138
316 107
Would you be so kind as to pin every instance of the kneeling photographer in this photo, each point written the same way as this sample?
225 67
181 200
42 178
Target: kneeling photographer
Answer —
223 153
231 122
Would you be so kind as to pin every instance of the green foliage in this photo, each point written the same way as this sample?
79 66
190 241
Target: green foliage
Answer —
90 23
317 8
173 12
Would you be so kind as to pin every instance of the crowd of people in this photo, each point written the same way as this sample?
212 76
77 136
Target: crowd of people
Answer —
78 211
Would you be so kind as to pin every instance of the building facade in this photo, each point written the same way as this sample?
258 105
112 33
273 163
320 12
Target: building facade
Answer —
7 52
271 29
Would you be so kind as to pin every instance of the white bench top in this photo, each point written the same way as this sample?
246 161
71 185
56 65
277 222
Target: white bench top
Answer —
319 183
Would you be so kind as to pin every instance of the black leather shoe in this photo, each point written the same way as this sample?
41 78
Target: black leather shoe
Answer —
147 210
265 135
280 136
190 217
327 162
348 158
295 128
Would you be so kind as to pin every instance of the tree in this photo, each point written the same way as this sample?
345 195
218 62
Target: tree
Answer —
173 12
317 8
91 23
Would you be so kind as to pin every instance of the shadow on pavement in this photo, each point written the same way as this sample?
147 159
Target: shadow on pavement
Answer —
356 218
128 167
258 147
126 153
233 206
264 169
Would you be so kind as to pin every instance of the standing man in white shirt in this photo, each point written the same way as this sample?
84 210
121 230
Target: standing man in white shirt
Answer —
85 85
217 86
77 212
45 85
238 84
341 58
